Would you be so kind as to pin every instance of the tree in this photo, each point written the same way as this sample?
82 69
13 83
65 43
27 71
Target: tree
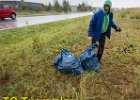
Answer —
22 5
57 6
79 7
49 7
22 1
66 6
82 7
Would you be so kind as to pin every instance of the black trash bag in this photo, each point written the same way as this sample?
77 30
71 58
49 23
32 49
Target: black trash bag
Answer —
67 63
89 59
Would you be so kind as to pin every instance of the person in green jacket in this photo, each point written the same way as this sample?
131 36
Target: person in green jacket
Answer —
98 32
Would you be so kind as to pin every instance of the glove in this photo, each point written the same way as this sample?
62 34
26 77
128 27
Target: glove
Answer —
118 29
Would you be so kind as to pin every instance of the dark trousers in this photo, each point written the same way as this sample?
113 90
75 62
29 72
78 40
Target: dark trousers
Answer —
101 46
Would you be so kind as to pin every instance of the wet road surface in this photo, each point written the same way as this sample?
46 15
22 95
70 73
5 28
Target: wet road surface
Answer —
24 21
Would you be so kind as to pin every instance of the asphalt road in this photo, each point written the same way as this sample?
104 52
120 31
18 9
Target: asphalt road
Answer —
24 21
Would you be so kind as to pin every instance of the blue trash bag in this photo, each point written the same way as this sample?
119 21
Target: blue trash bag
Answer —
89 59
67 63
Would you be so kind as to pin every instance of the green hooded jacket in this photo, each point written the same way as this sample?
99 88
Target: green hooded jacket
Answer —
106 16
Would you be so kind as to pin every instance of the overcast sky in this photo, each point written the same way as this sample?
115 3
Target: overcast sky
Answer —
98 3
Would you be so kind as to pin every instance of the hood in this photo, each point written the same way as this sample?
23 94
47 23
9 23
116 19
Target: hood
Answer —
107 2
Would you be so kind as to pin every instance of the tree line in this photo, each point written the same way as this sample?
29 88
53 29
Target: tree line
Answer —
56 6
67 7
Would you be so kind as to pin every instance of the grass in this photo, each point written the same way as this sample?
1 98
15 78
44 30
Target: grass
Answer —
27 55
131 13
41 13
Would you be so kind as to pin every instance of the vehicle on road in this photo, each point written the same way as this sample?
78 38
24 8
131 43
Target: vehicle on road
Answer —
7 11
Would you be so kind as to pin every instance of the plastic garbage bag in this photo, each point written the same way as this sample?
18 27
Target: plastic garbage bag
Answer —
89 59
66 62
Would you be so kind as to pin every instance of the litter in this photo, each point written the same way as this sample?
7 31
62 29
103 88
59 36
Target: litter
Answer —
67 63
89 59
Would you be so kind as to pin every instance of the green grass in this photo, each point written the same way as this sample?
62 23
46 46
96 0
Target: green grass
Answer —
27 55
41 13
